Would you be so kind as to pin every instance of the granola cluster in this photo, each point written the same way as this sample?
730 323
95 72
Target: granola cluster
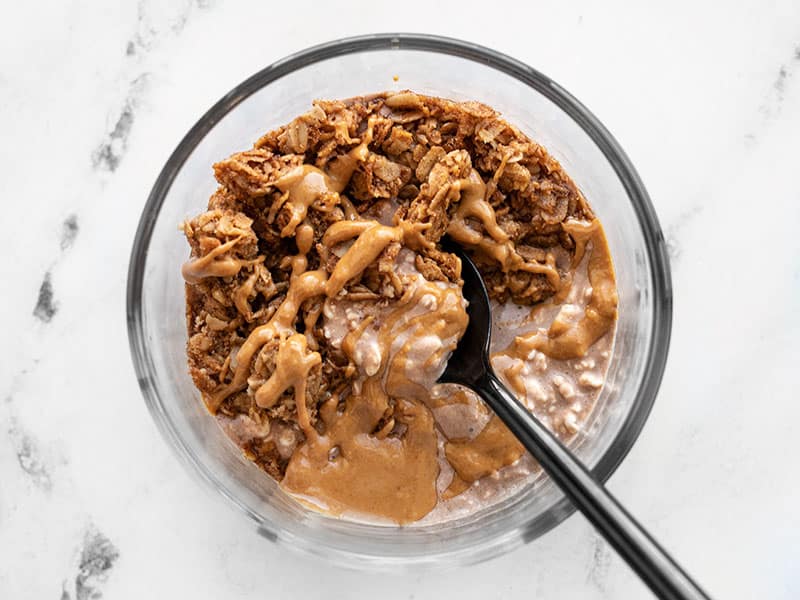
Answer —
397 158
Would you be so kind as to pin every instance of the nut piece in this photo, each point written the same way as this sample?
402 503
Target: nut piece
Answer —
564 387
571 421
538 360
591 380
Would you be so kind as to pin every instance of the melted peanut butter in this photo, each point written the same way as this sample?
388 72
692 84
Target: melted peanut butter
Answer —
304 239
362 253
302 287
499 247
241 297
514 377
581 232
292 365
350 211
212 264
306 183
345 230
372 239
351 470
357 466
432 334
473 204
564 339
494 447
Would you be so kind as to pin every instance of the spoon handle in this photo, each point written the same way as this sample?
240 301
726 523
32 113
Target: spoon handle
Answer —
653 565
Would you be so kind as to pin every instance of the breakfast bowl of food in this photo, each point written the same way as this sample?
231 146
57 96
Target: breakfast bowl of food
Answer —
293 298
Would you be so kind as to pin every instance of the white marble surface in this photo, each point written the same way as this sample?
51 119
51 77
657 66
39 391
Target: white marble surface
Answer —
94 96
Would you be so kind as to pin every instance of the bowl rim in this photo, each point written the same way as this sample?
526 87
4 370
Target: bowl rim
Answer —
637 194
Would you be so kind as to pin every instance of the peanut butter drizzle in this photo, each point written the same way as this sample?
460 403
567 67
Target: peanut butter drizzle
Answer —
372 239
514 376
210 265
304 184
345 230
309 323
351 339
360 255
581 232
447 321
349 469
572 340
242 295
292 365
304 238
492 449
356 466
473 204
301 288
350 211
499 248
561 294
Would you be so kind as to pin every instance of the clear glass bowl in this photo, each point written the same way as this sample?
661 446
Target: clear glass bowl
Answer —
439 67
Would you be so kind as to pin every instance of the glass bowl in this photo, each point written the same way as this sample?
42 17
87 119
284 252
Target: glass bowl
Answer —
440 67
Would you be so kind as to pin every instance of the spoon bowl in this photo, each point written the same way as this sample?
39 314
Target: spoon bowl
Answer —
470 359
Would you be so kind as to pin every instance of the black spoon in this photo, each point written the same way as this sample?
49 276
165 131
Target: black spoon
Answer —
469 366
